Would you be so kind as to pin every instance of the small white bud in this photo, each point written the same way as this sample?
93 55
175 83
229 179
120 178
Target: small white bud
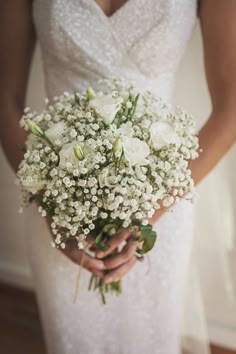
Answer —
90 93
117 148
79 152
34 128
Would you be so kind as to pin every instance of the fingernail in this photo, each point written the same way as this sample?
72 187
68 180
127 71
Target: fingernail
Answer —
101 265
99 254
108 280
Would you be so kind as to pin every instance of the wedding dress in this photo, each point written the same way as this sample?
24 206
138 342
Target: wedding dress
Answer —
143 41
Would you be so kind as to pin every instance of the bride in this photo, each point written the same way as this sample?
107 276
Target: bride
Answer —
143 41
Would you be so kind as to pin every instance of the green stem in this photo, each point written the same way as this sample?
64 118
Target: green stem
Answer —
91 282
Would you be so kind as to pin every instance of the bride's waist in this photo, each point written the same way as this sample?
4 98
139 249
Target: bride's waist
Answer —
161 85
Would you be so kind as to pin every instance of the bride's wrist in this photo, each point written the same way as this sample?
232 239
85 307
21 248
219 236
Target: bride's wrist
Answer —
156 216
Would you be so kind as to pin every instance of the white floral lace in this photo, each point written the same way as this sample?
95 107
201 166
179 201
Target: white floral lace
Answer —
143 41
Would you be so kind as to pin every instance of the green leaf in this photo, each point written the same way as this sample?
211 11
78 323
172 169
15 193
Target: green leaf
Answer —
148 237
91 282
33 198
21 147
133 109
108 227
98 239
100 242
77 99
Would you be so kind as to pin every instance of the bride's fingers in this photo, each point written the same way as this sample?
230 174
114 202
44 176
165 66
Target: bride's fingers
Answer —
89 262
90 240
119 273
122 257
98 273
86 261
114 243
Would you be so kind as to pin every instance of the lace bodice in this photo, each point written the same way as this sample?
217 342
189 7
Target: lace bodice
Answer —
142 41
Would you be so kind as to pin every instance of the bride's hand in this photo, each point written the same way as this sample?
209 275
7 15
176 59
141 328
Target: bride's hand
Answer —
71 251
122 262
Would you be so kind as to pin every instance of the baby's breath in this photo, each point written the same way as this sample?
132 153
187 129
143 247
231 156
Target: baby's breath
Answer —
111 155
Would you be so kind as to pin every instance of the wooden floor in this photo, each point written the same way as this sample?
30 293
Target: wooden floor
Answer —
20 330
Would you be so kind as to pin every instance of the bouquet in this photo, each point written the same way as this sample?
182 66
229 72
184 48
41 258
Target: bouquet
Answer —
102 161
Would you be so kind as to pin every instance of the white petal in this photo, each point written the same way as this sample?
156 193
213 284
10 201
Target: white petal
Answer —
67 155
107 106
126 129
162 134
55 132
135 151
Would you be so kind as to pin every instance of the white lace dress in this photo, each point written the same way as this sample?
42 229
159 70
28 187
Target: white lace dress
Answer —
143 41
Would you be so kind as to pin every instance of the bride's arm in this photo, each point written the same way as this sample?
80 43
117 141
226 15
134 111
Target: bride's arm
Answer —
218 24
17 42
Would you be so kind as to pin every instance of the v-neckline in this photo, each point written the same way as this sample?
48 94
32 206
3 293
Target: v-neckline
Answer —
114 14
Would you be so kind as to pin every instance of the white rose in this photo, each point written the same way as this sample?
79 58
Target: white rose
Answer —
140 108
126 129
55 132
107 177
135 151
67 154
163 134
107 106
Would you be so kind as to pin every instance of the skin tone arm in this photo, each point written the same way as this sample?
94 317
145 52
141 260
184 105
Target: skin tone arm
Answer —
218 24
17 45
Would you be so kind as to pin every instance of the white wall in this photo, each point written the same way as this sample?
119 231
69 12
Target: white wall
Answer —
219 301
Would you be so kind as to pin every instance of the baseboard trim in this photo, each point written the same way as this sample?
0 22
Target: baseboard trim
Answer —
15 275
222 336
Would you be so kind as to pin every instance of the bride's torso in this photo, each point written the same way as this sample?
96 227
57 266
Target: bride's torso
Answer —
142 41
